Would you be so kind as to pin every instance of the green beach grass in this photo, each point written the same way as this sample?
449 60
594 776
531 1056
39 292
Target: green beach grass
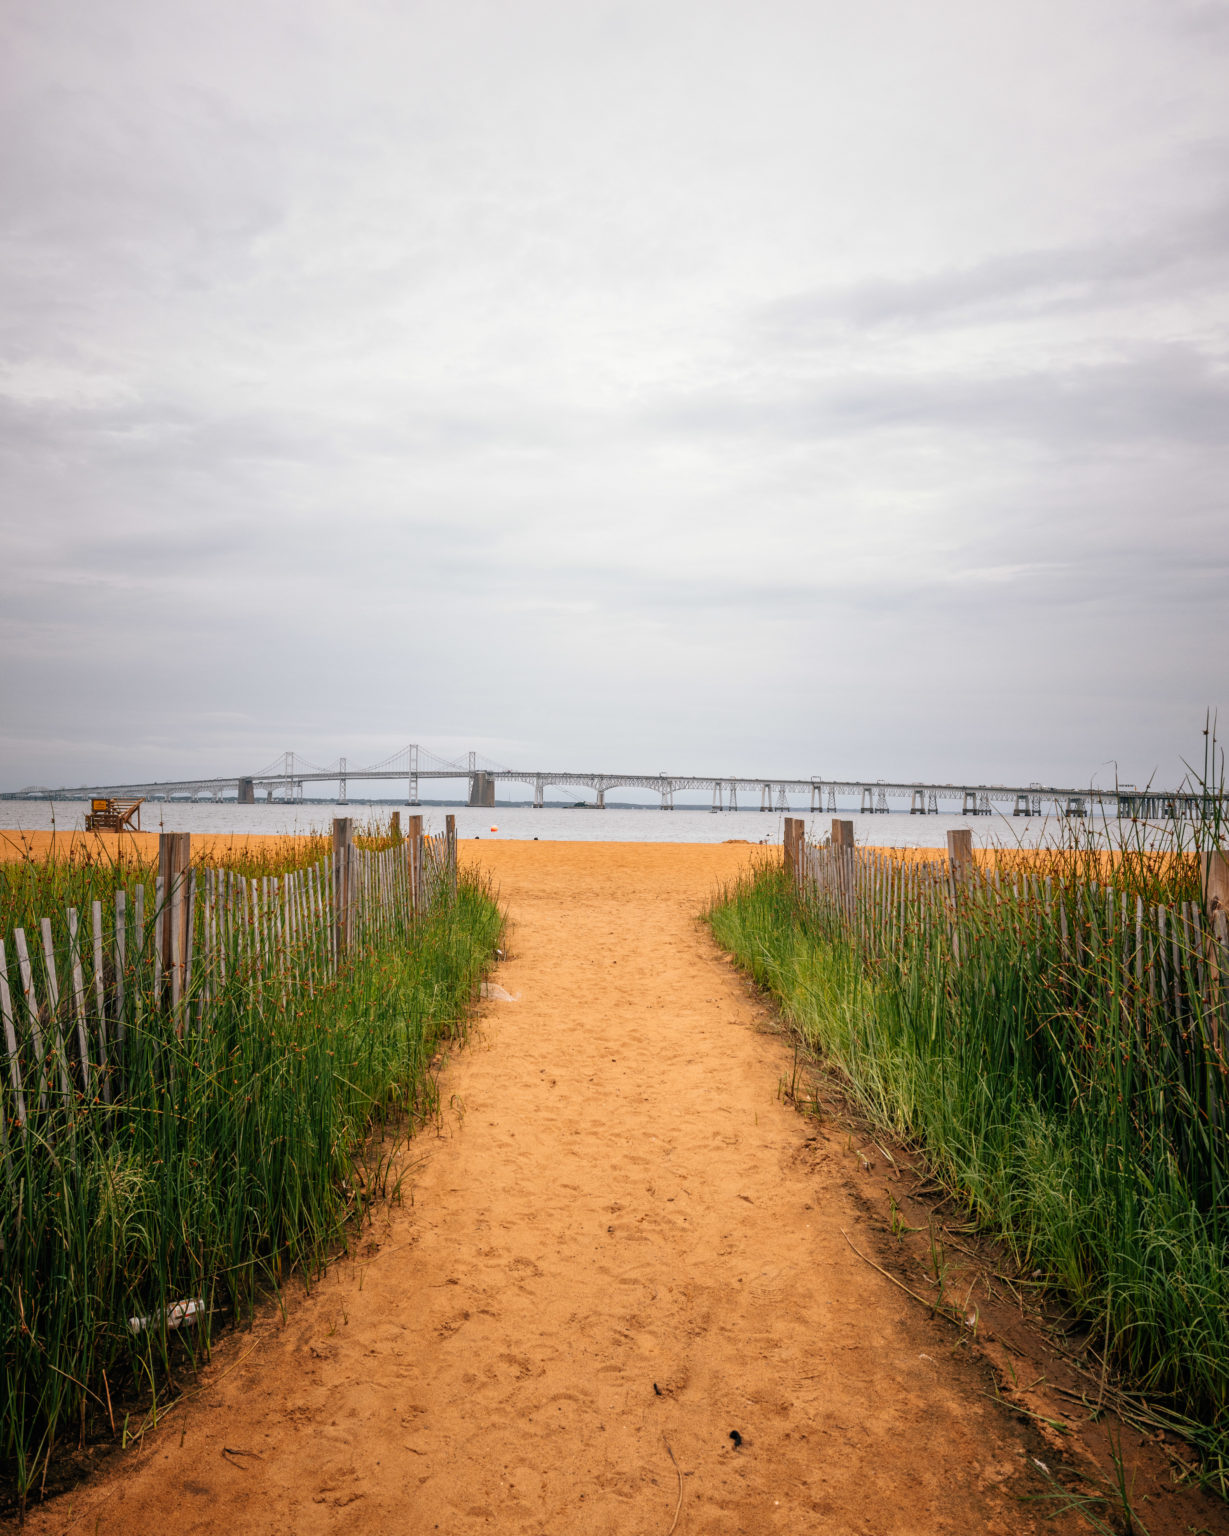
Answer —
238 1153
1076 1113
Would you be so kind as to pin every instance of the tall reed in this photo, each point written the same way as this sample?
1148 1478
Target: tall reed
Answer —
233 1154
1049 1028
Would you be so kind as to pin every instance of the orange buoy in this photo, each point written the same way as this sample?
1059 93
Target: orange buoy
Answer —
494 829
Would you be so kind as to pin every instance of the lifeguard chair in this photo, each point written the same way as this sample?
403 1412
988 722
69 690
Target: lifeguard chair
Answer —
114 816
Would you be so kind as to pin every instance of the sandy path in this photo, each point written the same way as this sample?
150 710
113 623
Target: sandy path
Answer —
622 1200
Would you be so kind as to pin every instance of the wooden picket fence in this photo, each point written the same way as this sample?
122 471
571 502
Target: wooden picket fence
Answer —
171 949
1089 979
1178 957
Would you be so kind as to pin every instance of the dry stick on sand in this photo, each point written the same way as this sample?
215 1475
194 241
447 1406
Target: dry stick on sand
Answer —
933 1306
679 1474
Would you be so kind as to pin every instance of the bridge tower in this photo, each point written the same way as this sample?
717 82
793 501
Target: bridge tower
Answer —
341 782
413 772
732 803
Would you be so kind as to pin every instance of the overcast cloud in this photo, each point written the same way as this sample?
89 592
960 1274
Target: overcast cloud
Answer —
803 388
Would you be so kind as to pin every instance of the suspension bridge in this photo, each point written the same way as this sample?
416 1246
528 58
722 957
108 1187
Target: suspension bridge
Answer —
288 777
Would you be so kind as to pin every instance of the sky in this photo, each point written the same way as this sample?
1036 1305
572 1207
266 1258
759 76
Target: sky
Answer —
701 387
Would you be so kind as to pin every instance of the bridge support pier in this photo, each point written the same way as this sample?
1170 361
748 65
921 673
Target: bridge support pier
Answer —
247 792
482 790
716 796
817 797
867 807
601 799
732 802
667 795
766 797
917 802
1022 806
538 799
968 806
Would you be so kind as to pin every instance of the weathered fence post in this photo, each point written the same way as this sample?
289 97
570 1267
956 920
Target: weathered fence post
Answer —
960 853
792 848
343 883
1216 883
394 826
450 851
843 847
959 868
174 860
1216 904
414 855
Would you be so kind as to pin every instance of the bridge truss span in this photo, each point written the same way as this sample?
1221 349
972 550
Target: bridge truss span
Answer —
289 775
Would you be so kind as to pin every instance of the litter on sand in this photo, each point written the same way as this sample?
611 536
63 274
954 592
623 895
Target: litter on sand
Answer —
497 993
178 1313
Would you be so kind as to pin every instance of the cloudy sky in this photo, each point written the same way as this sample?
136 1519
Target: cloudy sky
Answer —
809 388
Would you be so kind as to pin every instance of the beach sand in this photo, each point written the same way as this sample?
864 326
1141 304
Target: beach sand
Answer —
619 1246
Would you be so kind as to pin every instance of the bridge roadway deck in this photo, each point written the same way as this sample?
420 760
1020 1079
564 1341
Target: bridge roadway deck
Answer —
725 789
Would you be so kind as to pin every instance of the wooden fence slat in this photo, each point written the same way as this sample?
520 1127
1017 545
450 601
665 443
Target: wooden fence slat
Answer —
138 917
83 1044
26 973
171 959
100 1002
258 938
53 995
10 1039
247 954
121 945
189 922
206 942
99 977
225 948
160 918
